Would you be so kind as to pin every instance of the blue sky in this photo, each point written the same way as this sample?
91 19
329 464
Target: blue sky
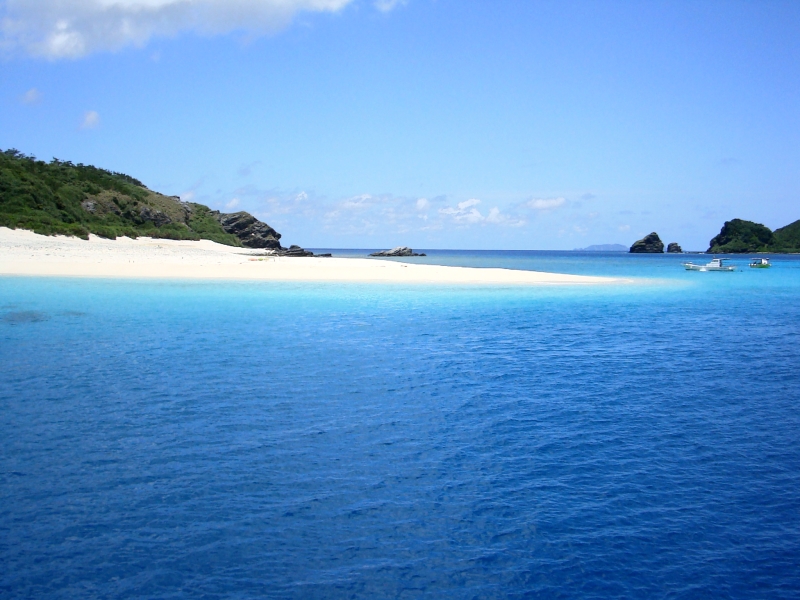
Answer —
428 123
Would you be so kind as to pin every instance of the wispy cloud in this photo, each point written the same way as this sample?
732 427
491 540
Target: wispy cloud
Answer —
57 29
91 120
387 5
247 170
32 96
546 203
466 213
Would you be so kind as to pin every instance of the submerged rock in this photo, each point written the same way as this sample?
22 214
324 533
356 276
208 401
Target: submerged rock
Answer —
651 244
398 251
673 247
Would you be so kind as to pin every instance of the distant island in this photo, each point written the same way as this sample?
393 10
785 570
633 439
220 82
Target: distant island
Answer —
62 198
603 248
739 236
735 237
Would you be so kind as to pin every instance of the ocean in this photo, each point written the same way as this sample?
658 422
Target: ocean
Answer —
283 440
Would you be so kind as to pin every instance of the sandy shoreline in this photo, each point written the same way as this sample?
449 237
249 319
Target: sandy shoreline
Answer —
25 253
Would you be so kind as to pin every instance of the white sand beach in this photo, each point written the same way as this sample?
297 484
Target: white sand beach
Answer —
29 254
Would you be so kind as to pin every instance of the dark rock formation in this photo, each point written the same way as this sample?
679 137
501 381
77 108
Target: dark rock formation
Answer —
674 248
256 234
294 251
399 251
155 216
252 232
651 244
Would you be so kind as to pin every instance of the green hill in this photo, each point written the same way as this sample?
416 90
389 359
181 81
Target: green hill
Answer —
739 236
787 239
63 198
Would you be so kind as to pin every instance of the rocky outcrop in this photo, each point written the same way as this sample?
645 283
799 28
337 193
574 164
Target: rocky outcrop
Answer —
256 234
674 248
252 232
294 251
650 244
399 251
155 216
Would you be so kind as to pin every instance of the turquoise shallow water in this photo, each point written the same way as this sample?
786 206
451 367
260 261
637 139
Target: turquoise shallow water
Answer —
218 440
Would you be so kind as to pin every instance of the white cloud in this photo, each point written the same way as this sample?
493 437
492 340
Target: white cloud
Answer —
74 28
232 204
357 202
422 204
387 5
90 120
546 203
464 212
494 216
32 96
624 227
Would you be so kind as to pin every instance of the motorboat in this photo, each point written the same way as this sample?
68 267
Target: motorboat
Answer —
760 263
716 264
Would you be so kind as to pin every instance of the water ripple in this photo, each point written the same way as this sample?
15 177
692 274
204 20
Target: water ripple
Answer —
291 441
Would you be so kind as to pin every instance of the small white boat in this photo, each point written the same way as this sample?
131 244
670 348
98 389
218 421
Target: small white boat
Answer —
760 263
716 264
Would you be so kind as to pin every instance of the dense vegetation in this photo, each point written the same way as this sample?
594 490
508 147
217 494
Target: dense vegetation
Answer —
788 238
63 198
739 236
742 236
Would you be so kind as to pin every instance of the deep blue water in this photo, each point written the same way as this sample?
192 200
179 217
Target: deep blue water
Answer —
241 440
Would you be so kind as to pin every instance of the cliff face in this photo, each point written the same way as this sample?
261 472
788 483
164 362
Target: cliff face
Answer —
650 244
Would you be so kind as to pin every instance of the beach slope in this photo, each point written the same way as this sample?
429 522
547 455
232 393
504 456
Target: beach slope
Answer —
28 254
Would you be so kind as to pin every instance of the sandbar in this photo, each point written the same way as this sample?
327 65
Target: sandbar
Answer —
24 253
